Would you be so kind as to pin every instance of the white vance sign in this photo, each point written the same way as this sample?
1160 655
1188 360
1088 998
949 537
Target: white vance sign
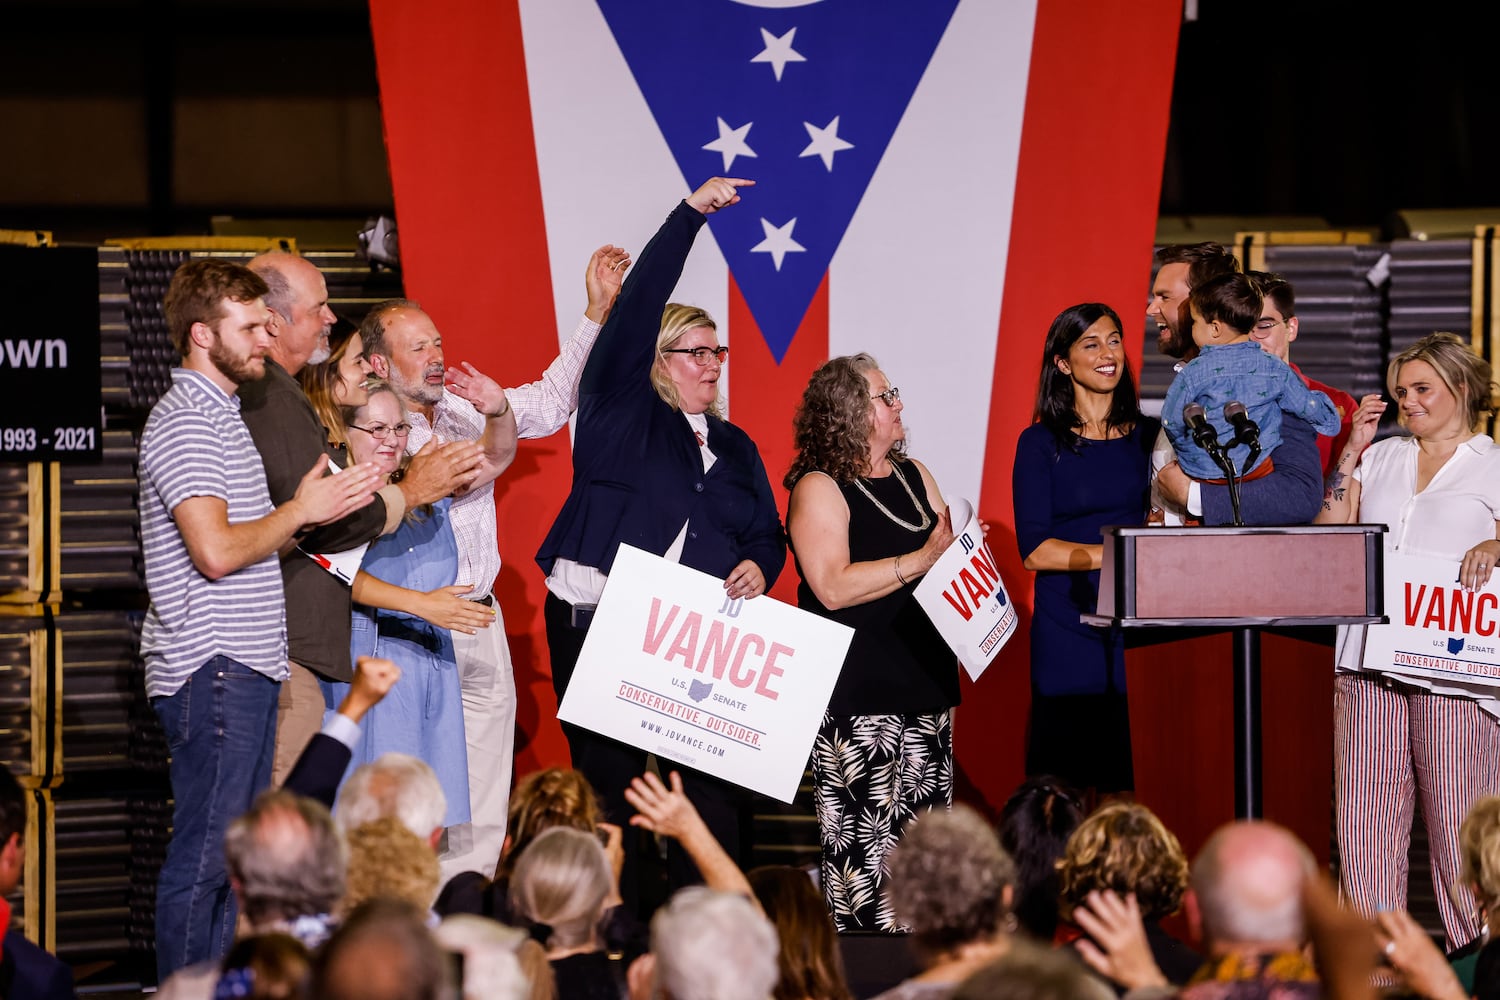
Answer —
1438 630
965 597
735 689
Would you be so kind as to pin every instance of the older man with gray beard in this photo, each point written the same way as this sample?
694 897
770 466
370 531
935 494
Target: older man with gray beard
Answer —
404 347
290 437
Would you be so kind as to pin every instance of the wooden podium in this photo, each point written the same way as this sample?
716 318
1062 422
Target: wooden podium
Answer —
1248 580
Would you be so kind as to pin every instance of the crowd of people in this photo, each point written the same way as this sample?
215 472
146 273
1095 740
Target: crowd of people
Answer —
318 519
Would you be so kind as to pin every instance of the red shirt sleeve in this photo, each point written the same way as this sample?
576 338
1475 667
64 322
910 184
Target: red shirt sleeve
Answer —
1330 447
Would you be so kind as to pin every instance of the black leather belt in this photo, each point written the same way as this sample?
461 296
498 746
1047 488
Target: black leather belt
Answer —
412 630
488 600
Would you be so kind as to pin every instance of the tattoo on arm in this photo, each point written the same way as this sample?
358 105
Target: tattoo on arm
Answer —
1335 491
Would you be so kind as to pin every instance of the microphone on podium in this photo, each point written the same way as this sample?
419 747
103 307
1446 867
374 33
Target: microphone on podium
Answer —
1204 434
1246 431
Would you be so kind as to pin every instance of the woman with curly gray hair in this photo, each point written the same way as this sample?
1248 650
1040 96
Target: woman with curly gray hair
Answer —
866 522
951 884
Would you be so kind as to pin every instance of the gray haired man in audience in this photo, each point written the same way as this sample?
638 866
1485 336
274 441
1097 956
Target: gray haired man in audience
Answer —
707 945
393 786
286 863
1250 884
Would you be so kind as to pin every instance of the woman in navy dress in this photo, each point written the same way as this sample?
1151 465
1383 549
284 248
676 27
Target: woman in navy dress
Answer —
1082 465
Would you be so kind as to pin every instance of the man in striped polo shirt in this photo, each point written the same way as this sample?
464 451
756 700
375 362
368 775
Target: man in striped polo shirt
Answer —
214 637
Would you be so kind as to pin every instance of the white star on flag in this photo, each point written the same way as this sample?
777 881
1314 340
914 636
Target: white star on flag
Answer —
731 142
778 51
825 142
778 242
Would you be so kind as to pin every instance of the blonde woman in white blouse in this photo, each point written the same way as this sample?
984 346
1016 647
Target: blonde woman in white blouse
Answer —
1398 740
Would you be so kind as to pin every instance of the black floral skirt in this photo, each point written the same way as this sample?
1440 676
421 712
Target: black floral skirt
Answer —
871 775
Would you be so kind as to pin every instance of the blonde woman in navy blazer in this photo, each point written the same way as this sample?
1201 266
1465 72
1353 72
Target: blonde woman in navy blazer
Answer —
655 466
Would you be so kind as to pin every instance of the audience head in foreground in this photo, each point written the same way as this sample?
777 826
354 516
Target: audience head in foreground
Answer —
544 799
387 860
708 945
951 882
1248 882
810 964
560 886
1124 847
265 967
1479 842
395 786
488 957
383 951
1035 825
1029 971
287 864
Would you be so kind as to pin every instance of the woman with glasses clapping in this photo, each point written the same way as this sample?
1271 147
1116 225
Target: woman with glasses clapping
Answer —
656 466
866 522
1081 465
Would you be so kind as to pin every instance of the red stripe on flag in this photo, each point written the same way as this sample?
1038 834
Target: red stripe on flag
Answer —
764 395
474 251
1087 187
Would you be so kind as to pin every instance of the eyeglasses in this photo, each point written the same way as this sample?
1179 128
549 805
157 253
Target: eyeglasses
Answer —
382 431
1268 324
701 355
890 397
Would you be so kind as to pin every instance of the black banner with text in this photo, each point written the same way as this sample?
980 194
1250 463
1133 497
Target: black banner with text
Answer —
50 401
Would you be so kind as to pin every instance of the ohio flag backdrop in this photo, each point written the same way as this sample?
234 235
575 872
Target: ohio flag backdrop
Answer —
936 179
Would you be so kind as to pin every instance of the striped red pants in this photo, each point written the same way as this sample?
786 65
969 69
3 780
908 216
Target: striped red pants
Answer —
1393 746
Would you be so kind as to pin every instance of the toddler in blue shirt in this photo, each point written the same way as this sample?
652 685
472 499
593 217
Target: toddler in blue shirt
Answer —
1230 366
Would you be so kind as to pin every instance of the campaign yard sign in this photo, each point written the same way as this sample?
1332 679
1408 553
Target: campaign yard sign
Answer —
965 597
1438 629
733 688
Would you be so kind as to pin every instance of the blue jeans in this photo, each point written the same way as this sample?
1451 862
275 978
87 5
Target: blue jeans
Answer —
221 728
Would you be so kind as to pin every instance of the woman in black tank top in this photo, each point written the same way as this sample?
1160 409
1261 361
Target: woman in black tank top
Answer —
866 522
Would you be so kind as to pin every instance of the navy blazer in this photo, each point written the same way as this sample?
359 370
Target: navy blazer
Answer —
320 768
28 971
637 469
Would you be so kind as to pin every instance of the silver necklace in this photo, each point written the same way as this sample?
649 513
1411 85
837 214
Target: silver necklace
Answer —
926 518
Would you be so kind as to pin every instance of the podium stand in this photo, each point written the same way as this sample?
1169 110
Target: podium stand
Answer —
1248 580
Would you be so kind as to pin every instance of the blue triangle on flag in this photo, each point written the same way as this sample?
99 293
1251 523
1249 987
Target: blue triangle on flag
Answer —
802 99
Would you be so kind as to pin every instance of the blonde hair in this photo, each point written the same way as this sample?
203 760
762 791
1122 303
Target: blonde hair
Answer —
676 320
1465 374
561 881
388 860
1479 846
1124 847
554 796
